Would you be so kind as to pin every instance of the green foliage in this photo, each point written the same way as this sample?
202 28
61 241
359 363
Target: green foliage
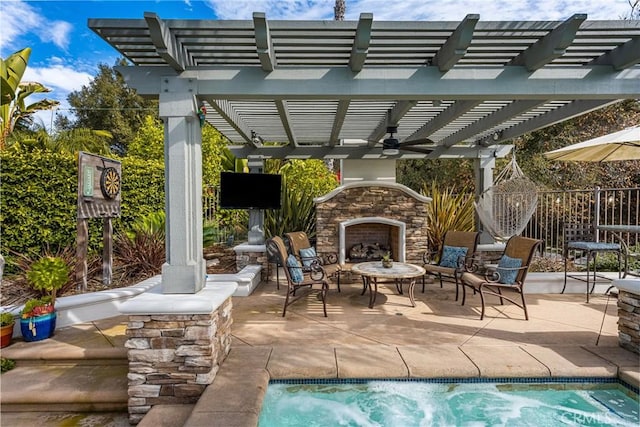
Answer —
558 175
39 198
148 142
302 181
447 211
141 249
456 174
38 207
297 213
106 103
48 274
35 307
6 319
7 364
14 110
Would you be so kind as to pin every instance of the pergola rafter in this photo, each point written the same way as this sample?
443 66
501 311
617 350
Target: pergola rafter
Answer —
328 84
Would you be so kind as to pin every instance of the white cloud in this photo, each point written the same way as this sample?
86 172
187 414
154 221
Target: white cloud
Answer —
19 19
58 77
57 33
404 10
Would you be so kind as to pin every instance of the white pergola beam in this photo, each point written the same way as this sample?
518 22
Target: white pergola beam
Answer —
228 114
359 152
263 41
452 112
361 42
574 109
283 112
165 44
392 83
623 56
551 46
513 109
456 45
338 122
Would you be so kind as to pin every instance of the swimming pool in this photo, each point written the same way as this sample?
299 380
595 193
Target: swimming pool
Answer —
499 402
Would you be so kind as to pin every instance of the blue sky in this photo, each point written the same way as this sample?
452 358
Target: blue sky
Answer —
66 52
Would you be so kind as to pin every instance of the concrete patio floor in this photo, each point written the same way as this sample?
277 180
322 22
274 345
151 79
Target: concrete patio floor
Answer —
564 337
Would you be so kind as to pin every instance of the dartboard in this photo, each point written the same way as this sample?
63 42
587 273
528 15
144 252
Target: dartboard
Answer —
110 182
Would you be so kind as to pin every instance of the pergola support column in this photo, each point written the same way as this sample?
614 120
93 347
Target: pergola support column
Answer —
483 170
256 216
184 270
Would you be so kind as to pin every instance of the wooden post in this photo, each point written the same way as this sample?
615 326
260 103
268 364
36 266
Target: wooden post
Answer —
82 244
107 251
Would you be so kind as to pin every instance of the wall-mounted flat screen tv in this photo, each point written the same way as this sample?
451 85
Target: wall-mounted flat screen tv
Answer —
249 190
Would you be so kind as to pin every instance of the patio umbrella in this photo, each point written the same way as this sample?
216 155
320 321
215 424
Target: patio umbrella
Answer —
621 145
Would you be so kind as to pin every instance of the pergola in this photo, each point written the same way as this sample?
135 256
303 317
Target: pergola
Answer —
331 89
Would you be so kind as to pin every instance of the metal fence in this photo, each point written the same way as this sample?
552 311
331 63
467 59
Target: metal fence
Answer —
610 206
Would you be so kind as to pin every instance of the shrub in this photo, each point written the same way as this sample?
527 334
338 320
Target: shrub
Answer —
447 211
7 364
6 319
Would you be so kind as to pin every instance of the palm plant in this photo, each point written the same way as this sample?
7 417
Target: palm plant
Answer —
14 111
297 213
447 211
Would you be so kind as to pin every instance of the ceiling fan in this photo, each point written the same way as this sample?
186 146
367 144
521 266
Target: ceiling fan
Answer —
391 146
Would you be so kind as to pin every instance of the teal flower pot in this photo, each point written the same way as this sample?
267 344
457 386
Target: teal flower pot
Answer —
38 328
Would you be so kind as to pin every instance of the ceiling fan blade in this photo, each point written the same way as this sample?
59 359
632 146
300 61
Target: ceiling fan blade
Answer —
423 150
419 141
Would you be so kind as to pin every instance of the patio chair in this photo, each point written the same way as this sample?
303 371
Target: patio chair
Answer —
301 248
508 274
581 238
297 277
457 246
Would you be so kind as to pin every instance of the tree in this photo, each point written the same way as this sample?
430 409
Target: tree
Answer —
15 113
108 104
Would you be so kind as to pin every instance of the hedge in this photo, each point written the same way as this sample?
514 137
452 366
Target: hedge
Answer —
38 200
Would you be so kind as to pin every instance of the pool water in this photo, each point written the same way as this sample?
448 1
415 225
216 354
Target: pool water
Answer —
418 403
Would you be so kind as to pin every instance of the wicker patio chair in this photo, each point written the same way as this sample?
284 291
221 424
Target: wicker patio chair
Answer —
297 277
301 247
509 273
457 246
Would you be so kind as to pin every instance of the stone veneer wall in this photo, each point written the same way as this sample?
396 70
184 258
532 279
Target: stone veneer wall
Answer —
172 358
244 258
629 321
371 200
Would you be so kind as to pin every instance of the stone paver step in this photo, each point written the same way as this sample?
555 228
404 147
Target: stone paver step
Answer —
64 387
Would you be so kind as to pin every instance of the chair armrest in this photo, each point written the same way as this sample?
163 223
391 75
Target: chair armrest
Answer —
492 275
429 257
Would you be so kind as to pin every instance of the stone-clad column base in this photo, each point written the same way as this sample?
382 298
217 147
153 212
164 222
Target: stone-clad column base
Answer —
629 320
173 357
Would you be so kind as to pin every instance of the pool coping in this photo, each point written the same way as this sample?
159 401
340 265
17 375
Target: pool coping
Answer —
235 397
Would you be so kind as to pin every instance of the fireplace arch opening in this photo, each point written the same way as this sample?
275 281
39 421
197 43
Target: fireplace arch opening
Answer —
371 236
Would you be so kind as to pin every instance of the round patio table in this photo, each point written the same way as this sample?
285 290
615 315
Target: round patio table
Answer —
373 271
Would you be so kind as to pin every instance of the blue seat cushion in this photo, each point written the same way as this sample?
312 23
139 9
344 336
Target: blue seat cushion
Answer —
308 255
451 254
295 269
594 246
508 276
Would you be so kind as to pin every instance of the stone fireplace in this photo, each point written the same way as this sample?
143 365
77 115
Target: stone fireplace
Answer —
373 214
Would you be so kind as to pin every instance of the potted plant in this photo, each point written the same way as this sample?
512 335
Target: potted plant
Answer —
387 262
6 328
47 275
